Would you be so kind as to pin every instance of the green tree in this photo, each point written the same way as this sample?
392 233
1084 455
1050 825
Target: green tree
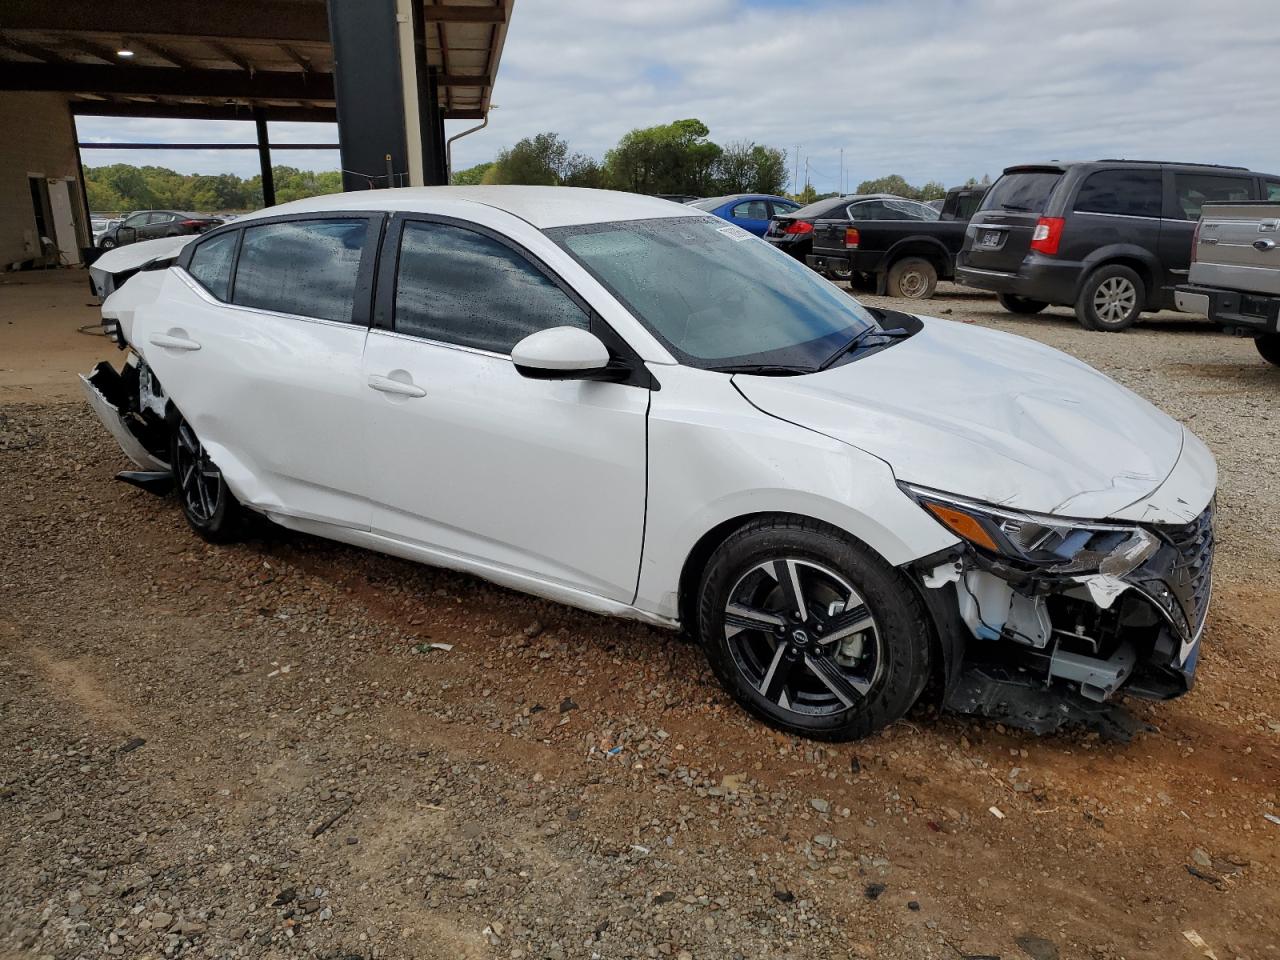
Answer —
745 167
471 175
536 160
672 158
583 171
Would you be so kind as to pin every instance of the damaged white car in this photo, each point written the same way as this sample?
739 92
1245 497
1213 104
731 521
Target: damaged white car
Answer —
631 407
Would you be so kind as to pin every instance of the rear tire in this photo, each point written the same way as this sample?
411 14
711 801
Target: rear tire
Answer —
207 502
1016 304
1111 299
1269 347
847 658
913 278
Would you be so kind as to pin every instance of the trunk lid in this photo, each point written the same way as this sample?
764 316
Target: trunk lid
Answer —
829 234
999 235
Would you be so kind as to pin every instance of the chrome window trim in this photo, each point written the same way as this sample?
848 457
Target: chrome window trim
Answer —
440 343
1124 216
209 298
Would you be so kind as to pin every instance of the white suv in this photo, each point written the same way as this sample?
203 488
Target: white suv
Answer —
632 407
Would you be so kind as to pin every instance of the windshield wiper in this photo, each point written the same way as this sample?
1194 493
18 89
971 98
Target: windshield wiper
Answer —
765 369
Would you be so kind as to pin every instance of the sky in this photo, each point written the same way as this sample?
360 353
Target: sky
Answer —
929 89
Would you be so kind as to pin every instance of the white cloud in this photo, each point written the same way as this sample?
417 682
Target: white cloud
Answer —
931 89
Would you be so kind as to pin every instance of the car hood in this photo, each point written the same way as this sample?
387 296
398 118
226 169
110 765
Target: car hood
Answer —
990 416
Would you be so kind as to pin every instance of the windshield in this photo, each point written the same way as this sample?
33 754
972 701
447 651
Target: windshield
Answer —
1021 192
714 294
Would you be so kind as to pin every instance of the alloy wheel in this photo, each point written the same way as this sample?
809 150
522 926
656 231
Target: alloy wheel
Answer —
803 637
199 480
1114 299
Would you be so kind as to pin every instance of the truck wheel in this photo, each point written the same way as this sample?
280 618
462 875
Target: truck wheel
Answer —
1016 304
837 271
913 278
1269 346
1111 299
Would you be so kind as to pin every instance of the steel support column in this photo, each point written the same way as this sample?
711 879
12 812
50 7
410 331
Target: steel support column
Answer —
370 97
264 159
430 117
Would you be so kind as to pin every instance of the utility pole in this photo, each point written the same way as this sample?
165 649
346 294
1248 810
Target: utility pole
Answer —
806 172
842 171
795 177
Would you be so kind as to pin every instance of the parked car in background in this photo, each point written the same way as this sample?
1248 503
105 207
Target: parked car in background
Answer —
751 211
1111 238
793 232
1235 271
634 408
100 224
150 224
899 247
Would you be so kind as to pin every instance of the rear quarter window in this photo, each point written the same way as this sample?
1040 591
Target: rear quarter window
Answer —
211 263
1027 192
1133 193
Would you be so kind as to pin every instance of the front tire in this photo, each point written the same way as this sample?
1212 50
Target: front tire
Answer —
912 278
812 632
207 502
1023 305
1269 347
1111 299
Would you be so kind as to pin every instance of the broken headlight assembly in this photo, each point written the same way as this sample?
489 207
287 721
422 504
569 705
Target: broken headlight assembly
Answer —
1055 545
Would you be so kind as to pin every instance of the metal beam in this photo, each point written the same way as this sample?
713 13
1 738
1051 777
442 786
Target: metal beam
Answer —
264 159
201 111
166 81
132 145
271 20
31 50
164 53
439 14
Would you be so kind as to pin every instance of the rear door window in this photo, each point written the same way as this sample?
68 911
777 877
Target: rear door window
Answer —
1027 192
752 210
1272 187
211 263
1123 192
306 267
1192 190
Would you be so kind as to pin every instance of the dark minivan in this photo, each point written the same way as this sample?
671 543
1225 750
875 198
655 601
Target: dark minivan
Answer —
1110 238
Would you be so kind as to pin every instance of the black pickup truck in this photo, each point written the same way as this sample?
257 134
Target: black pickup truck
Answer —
904 249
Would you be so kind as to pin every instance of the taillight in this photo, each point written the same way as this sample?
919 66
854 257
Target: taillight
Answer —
851 238
192 224
1048 235
798 226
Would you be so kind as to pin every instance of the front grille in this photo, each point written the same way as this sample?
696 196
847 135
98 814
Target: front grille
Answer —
1191 578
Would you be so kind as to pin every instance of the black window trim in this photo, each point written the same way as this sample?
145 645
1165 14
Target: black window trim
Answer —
362 301
383 318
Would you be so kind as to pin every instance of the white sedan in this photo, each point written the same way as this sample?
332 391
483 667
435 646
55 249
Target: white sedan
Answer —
631 407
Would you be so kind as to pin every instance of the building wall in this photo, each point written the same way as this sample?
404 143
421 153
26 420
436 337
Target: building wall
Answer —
38 138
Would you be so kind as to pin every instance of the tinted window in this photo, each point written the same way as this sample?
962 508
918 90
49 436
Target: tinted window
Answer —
867 210
715 294
159 216
1273 189
308 267
458 286
1133 193
784 206
908 210
1193 190
1021 192
821 208
137 220
211 263
752 210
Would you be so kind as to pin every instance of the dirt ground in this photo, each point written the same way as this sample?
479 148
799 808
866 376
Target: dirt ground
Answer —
254 750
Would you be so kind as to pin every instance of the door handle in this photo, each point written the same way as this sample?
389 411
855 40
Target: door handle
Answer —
396 388
173 343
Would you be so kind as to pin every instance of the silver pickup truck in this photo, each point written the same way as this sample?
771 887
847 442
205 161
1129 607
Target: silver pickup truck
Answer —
1235 272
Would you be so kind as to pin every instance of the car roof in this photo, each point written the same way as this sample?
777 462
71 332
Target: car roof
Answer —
543 207
1061 166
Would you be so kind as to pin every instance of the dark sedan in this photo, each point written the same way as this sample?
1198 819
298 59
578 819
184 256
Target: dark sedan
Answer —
150 224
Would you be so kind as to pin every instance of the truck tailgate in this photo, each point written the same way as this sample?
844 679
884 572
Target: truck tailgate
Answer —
1238 247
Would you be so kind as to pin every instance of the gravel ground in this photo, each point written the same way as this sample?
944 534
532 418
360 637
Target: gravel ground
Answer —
255 750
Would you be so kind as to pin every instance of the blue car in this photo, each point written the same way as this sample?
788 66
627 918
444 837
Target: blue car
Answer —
750 211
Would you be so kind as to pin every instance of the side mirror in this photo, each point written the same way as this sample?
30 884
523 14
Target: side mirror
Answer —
564 353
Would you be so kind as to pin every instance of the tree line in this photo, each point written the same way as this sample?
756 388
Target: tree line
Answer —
671 158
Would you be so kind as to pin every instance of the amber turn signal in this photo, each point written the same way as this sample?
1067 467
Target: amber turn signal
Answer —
962 525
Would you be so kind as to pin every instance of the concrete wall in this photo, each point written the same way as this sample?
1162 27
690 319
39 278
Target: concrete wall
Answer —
36 137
